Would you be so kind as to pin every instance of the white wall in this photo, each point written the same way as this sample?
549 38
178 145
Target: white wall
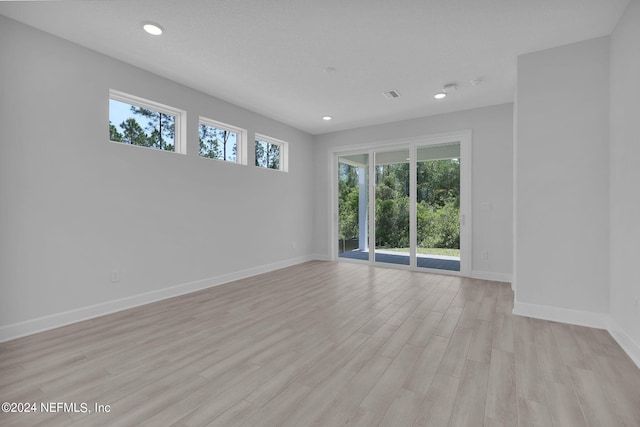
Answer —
562 171
492 138
625 177
76 206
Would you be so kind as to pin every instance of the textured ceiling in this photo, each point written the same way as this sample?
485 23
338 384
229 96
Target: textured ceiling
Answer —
270 56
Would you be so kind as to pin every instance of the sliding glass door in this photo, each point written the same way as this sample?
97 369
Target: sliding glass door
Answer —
405 205
392 208
438 206
353 206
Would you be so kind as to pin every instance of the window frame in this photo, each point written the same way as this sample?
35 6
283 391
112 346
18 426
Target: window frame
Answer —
180 128
241 139
284 151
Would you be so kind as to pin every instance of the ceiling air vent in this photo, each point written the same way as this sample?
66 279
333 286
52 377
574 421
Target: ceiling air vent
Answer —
391 94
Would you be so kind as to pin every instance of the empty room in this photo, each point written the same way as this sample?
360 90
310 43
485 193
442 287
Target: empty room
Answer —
319 213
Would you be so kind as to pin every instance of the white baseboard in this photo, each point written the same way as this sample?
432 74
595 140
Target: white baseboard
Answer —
563 315
321 257
582 318
29 327
627 343
488 275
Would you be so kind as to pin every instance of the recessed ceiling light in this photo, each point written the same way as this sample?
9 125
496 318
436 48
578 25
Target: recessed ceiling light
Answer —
327 118
152 28
445 89
330 70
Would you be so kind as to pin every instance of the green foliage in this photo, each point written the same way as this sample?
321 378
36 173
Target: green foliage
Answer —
392 205
438 208
213 143
160 128
438 204
438 181
348 199
392 222
159 132
438 225
209 143
267 155
114 135
132 133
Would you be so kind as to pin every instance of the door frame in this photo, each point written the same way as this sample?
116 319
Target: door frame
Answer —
466 222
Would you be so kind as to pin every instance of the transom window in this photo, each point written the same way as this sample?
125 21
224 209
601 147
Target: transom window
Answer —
270 153
137 121
221 141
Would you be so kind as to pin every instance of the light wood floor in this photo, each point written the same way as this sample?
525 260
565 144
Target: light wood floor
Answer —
326 344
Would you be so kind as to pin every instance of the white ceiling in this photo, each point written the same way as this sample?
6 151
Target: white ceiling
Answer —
270 56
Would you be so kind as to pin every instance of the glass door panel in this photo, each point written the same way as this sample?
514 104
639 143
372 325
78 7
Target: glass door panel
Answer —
438 206
392 207
353 206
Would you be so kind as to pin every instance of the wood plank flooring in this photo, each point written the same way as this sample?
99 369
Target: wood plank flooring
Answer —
325 344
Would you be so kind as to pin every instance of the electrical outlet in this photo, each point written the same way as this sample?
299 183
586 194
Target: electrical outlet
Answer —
115 276
484 255
637 305
293 244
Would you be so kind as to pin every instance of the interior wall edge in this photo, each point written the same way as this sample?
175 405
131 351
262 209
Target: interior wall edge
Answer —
321 257
490 275
582 318
561 314
625 341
